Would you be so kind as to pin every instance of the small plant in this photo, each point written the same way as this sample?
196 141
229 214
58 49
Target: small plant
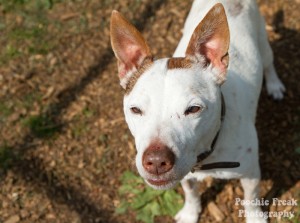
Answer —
145 201
87 112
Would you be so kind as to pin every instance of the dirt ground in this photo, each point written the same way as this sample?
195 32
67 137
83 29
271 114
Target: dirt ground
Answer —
63 140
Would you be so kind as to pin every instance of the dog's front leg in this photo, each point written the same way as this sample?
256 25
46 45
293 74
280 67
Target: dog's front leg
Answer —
253 212
275 87
192 206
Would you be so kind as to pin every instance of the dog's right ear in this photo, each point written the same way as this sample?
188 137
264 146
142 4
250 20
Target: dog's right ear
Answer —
129 46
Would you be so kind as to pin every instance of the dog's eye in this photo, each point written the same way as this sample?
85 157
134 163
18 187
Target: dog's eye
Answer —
136 110
192 110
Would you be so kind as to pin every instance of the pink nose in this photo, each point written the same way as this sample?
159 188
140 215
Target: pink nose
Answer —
158 159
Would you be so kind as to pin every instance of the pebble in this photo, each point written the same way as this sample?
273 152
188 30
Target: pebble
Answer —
13 219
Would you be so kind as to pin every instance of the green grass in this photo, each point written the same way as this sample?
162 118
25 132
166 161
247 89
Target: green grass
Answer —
31 35
41 126
10 5
295 218
14 5
88 112
11 51
29 99
146 202
34 38
296 212
5 110
79 129
27 102
81 122
6 157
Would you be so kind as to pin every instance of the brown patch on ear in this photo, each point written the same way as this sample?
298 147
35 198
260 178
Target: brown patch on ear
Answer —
179 63
210 40
147 63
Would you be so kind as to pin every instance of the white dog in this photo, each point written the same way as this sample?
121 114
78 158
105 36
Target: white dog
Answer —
175 107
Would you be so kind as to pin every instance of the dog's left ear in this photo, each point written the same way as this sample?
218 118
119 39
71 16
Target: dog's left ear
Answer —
129 46
210 41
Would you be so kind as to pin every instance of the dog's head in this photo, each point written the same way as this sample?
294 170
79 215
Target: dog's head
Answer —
172 105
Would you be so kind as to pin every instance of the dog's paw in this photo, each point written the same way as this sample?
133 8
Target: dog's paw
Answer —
275 88
188 215
256 220
254 214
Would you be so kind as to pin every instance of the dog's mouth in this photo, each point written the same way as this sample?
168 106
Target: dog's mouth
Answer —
158 183
161 183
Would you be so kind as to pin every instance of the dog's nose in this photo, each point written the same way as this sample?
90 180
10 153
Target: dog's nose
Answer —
158 159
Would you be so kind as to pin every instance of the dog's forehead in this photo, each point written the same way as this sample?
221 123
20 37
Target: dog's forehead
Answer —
167 76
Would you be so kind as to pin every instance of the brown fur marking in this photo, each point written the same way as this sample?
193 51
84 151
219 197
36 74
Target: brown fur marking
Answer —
136 75
179 63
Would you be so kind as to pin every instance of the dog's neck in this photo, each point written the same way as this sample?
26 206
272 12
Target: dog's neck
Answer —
204 155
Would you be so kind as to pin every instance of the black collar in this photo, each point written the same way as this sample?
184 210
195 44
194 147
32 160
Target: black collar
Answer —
204 155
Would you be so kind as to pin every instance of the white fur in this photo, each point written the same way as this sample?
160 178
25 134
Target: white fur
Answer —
163 95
